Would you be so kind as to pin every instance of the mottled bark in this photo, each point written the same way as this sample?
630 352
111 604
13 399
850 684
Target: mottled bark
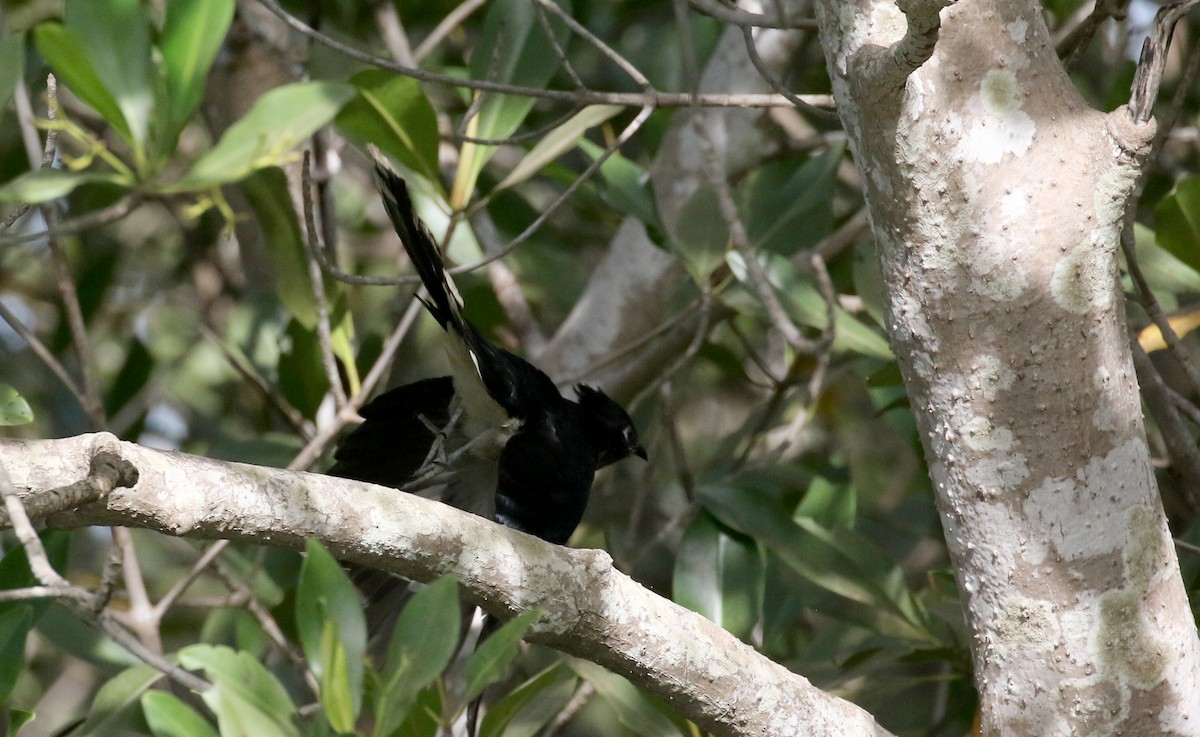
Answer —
996 196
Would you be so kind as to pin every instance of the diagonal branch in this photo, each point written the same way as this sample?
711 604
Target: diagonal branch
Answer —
589 609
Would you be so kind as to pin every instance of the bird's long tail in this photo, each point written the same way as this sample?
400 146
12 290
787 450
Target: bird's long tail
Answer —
444 303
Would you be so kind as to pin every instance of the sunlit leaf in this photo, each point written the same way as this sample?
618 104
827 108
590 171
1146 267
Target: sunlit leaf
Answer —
279 121
391 112
558 141
14 410
1151 338
328 607
170 717
67 55
246 698
191 36
117 703
117 41
423 641
44 185
513 49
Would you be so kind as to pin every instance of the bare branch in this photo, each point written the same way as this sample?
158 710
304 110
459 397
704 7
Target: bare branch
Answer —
589 609
108 471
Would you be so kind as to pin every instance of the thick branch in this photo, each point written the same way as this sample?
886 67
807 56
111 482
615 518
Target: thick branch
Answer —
590 609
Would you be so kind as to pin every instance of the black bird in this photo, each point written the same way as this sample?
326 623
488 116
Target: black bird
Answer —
532 453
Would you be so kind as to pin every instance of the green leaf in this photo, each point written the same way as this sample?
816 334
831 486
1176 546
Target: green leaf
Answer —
267 192
840 561
557 142
301 375
788 209
17 718
44 185
14 410
528 708
115 707
391 111
512 49
15 623
423 642
829 504
721 575
18 617
336 695
246 698
1163 271
67 55
632 709
627 187
491 660
326 597
116 39
279 121
1179 222
12 64
701 234
807 306
191 37
170 717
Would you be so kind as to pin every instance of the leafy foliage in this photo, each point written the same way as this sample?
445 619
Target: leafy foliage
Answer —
800 520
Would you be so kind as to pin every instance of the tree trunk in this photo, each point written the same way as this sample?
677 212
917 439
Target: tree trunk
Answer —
996 197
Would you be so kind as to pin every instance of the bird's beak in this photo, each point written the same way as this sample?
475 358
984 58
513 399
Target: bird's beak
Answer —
640 452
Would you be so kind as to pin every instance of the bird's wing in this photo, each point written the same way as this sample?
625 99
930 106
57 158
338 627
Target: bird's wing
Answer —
396 437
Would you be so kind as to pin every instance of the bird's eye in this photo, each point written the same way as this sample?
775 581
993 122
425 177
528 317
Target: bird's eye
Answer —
627 433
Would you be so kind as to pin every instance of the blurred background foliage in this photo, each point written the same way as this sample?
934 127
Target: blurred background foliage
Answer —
786 497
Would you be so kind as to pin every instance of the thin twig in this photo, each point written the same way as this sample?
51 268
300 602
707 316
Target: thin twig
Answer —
250 374
651 99
1153 60
42 352
35 552
182 585
605 50
141 612
324 331
738 17
94 219
559 52
549 210
391 28
90 396
773 81
1145 294
452 20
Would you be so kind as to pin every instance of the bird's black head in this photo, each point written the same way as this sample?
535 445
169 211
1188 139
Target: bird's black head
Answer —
608 427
